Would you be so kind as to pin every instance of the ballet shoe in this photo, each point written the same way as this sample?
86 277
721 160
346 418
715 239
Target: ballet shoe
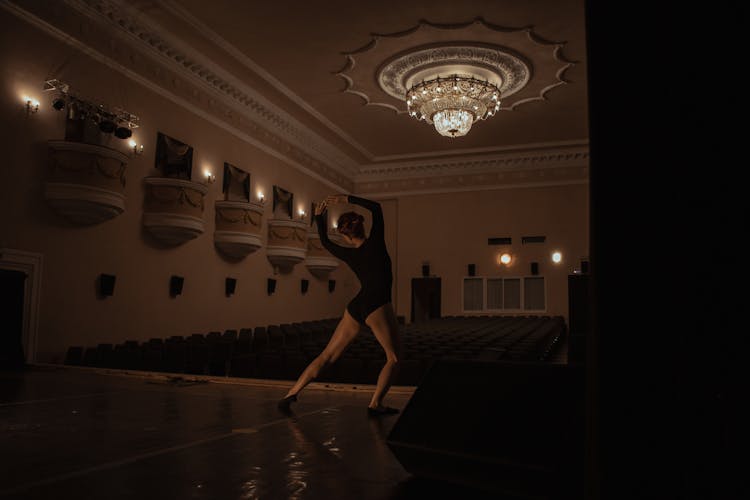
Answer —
285 405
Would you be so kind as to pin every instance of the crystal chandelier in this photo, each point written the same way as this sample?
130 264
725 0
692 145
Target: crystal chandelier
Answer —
454 103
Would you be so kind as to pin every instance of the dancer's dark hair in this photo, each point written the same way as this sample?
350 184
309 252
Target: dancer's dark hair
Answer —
351 224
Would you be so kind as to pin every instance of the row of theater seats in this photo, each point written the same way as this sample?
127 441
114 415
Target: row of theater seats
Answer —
283 351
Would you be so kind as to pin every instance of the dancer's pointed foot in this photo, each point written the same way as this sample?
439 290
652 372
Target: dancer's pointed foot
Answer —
381 410
285 405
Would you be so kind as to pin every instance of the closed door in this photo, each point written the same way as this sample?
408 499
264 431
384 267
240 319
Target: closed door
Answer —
425 299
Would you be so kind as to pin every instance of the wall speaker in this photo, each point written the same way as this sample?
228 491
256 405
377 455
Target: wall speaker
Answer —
305 285
230 285
505 440
425 270
271 286
106 285
331 285
472 270
534 268
175 285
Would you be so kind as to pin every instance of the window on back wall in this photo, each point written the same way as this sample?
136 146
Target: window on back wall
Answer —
512 294
473 294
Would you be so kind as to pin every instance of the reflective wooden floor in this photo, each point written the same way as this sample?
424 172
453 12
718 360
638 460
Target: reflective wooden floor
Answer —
86 434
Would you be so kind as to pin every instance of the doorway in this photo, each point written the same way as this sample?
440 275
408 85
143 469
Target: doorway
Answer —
425 299
12 292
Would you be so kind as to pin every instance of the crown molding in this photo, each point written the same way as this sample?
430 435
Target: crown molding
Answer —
149 37
551 166
570 155
153 59
171 85
240 56
403 189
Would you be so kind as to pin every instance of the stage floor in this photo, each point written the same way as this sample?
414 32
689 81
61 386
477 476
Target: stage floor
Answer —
102 434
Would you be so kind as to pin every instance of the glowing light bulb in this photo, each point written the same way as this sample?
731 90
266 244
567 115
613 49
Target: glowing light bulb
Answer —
556 257
505 259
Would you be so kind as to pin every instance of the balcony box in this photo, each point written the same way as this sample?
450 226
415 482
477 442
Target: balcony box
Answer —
287 243
238 228
173 209
319 261
86 182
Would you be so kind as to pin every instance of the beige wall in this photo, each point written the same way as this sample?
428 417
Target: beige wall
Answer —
71 313
451 230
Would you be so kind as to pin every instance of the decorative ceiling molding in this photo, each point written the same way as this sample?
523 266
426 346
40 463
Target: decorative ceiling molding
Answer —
575 155
449 153
158 41
477 182
182 14
128 61
396 65
152 59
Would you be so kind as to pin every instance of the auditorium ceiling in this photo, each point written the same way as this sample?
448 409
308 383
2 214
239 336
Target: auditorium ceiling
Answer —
304 79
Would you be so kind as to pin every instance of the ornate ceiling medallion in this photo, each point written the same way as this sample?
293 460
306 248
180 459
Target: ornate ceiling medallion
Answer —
454 75
508 72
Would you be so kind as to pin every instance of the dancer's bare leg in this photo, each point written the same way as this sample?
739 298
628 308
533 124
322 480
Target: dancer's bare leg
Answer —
345 332
384 325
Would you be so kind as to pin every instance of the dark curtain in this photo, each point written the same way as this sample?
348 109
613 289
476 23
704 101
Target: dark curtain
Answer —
284 199
173 158
236 185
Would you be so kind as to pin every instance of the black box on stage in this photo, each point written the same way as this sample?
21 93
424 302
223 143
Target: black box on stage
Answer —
510 428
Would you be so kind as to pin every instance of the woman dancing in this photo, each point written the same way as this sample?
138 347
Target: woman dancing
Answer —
371 263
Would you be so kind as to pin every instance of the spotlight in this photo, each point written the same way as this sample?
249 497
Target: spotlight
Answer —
123 132
58 103
107 126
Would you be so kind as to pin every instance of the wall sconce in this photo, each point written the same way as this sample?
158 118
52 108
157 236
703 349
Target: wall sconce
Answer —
137 150
261 198
210 178
302 214
32 105
556 257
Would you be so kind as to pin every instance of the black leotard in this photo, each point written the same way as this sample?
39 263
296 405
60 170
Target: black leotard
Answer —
370 262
